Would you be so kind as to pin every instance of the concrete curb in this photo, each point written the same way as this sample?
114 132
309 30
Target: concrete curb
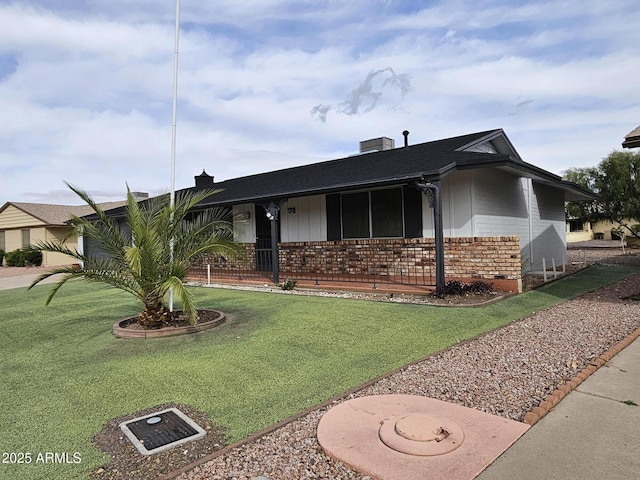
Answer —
545 406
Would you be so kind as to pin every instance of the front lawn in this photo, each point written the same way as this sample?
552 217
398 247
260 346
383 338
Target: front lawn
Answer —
64 375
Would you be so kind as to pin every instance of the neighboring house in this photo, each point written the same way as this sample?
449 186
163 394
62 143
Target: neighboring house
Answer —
632 139
606 230
378 216
582 230
579 230
24 224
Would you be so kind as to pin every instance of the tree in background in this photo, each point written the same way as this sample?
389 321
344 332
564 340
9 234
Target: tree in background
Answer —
585 177
616 180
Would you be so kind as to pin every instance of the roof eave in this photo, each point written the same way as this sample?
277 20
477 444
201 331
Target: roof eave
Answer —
380 182
573 192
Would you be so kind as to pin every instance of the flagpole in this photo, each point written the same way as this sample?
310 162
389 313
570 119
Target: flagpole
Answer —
172 197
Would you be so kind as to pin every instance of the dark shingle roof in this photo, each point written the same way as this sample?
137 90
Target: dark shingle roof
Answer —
431 159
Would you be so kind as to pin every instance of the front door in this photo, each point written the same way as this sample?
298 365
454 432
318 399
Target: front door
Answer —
263 241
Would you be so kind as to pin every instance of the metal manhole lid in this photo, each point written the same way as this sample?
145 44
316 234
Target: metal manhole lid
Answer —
161 431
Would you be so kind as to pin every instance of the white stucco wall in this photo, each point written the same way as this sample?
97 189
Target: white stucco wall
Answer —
490 203
500 205
457 201
304 219
549 228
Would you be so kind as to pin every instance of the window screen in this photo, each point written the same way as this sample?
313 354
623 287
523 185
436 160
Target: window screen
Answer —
386 213
355 215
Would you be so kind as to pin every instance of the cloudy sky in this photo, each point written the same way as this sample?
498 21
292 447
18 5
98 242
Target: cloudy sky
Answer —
86 85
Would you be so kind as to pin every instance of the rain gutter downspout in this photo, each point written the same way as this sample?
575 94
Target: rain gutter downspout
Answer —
431 190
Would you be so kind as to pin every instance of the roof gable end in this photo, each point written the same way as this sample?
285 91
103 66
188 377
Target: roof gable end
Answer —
494 141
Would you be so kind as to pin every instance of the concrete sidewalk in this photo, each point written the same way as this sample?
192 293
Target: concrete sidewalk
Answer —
21 281
590 435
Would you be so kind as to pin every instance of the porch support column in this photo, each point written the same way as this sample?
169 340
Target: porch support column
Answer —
273 212
431 190
81 242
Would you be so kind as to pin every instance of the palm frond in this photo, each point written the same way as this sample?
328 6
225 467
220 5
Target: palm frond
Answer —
153 253
185 297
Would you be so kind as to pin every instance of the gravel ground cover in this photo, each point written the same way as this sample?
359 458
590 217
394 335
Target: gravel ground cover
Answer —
506 372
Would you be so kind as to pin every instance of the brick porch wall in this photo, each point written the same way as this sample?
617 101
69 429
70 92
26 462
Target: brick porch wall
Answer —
389 257
494 259
486 258
243 261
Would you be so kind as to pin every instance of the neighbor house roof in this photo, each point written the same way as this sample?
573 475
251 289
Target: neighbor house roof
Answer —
56 215
430 161
632 139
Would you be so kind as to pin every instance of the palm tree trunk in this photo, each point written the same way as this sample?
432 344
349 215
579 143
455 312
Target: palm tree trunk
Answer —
155 315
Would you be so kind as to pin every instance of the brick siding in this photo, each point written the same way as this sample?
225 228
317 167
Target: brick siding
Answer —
495 259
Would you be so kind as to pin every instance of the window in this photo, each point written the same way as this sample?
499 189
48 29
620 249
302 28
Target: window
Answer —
576 226
355 215
26 238
386 213
375 214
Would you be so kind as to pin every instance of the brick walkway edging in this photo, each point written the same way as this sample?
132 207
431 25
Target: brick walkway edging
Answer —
546 405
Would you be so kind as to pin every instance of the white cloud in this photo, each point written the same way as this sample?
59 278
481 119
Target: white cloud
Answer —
86 85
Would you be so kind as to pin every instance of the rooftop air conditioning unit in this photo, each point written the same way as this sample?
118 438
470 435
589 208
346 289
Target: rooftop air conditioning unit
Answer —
377 144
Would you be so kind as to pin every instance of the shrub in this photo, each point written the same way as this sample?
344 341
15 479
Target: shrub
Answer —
454 287
478 287
1 256
13 259
26 256
289 285
32 256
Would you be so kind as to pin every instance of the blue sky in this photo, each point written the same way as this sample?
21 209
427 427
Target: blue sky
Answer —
86 85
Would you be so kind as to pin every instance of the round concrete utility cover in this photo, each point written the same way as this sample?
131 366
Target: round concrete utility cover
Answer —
421 434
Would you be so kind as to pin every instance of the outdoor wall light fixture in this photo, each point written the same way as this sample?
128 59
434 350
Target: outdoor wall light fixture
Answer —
247 215
270 215
291 210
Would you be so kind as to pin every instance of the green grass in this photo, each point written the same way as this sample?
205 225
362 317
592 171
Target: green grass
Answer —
64 375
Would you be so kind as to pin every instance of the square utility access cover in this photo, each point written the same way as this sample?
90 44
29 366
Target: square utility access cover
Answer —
161 431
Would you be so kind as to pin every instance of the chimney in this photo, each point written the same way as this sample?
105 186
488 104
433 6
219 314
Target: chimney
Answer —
377 144
406 138
204 180
140 195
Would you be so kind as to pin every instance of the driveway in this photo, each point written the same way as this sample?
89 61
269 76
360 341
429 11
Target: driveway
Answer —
19 277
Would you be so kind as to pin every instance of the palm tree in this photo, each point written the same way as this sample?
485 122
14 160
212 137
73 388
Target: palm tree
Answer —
154 258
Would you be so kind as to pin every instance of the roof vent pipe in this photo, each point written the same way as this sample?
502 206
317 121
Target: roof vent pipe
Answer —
406 138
